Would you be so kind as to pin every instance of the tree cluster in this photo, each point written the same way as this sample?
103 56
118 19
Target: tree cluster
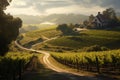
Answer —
9 27
67 29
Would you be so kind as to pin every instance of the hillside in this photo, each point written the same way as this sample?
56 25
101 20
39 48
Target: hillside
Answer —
109 39
53 18
67 50
36 36
31 27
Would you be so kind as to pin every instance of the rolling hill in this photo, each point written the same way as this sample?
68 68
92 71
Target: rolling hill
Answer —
109 39
53 18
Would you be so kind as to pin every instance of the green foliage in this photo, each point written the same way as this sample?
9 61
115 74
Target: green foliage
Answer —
94 48
11 63
9 27
66 29
84 60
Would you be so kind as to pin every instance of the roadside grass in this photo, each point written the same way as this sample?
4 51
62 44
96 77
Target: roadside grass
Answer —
42 72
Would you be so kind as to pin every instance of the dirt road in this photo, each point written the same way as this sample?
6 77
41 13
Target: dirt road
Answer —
71 75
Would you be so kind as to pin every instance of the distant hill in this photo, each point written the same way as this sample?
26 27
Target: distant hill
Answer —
53 18
29 19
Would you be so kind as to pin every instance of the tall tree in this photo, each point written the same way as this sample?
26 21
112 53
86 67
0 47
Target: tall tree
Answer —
110 14
65 29
85 23
9 27
91 18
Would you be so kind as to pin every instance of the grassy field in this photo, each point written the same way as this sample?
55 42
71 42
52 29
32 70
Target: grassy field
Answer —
31 27
104 38
110 39
38 34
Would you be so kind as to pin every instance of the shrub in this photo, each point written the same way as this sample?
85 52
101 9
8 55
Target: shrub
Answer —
59 50
94 48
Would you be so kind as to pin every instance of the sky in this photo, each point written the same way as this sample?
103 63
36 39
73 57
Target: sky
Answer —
46 7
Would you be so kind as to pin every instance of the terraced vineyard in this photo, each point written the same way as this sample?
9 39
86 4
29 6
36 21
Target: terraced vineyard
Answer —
106 61
89 38
13 64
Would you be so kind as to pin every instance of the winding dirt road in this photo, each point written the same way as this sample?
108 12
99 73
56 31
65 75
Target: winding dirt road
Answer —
71 75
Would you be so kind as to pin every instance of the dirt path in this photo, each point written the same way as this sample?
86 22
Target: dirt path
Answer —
47 39
70 75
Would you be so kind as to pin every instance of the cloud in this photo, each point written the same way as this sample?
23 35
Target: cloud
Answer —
111 3
26 11
47 6
77 9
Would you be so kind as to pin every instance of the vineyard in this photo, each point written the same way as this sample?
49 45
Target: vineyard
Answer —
101 62
13 64
109 39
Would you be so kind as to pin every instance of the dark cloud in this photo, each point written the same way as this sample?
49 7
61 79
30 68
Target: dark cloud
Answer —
111 3
102 3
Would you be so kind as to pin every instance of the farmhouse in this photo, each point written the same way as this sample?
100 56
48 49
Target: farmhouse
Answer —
100 21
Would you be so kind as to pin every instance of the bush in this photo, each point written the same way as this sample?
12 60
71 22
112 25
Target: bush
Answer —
46 46
94 48
59 50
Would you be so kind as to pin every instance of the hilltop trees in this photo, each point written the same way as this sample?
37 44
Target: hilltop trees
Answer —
111 15
9 27
66 29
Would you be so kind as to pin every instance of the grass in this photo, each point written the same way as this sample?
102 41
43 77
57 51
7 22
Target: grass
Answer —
27 27
37 34
107 38
88 38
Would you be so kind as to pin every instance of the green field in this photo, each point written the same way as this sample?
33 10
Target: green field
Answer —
104 38
109 39
41 33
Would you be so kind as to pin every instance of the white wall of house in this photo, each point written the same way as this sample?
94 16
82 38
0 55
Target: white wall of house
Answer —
98 23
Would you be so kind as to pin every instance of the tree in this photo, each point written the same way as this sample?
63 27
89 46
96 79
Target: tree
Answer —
9 27
111 16
91 18
72 26
65 29
85 23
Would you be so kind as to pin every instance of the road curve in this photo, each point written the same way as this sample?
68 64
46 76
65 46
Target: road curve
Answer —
53 67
